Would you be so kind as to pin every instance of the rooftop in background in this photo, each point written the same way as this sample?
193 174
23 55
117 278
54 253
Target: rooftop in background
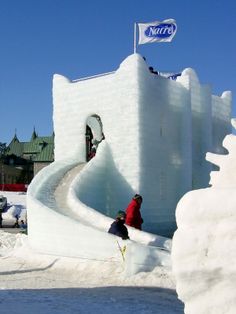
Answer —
39 148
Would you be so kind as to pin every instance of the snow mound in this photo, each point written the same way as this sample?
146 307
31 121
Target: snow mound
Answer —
65 271
203 258
16 206
8 242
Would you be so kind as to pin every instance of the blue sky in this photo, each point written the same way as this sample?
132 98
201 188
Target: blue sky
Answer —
78 38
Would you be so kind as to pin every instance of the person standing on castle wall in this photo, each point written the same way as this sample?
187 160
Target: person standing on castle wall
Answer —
133 214
152 70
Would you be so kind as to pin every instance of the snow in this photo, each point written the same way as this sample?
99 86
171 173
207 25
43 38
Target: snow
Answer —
16 205
68 262
49 213
131 106
156 130
34 283
203 255
83 198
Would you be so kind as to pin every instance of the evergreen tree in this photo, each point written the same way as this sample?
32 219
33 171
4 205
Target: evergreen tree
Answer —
3 150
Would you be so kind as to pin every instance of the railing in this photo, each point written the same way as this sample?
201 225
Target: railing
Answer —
93 76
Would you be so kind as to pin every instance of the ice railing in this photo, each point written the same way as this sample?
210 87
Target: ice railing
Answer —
93 76
167 75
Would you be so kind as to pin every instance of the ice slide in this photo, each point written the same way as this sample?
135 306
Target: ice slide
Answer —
60 223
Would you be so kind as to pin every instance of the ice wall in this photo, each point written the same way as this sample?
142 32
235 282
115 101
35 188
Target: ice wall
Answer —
97 210
157 132
114 98
165 149
128 103
201 127
221 113
203 255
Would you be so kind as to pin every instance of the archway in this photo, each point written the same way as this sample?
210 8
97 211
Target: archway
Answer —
94 135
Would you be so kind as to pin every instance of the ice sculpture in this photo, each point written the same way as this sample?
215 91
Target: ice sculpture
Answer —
150 135
157 133
203 254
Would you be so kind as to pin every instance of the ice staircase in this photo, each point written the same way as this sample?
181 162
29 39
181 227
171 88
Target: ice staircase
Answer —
59 223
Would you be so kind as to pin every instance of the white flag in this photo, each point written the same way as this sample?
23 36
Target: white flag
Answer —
157 31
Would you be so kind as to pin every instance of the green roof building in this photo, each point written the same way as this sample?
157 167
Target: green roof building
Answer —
30 157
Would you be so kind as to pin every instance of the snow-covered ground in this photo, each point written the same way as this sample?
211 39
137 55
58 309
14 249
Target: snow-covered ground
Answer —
34 283
16 205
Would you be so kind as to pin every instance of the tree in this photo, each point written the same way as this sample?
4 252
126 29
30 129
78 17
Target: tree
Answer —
3 149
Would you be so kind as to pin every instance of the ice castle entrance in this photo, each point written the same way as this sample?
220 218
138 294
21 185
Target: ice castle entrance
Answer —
93 136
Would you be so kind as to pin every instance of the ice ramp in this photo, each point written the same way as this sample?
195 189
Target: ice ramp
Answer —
60 224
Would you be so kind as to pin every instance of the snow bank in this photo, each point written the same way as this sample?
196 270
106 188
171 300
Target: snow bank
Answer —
16 252
69 272
16 205
36 283
202 255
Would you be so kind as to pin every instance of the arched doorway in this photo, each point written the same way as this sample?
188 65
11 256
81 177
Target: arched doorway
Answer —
93 136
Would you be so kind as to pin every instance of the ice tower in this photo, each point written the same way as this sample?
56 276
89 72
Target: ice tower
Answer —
151 134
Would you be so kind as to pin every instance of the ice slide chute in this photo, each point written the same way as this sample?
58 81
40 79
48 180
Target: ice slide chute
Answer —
61 224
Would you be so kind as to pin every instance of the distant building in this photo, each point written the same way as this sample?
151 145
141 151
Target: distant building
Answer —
23 160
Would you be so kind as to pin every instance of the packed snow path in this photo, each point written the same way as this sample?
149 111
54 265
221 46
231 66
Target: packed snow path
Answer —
61 192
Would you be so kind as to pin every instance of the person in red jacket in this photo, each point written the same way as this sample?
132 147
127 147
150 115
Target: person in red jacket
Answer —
133 214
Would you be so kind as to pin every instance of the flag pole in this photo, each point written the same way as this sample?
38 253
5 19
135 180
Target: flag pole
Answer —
135 31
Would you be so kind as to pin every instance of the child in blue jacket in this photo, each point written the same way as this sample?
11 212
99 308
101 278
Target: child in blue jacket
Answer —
118 227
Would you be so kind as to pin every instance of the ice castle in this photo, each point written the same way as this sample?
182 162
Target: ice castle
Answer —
151 134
